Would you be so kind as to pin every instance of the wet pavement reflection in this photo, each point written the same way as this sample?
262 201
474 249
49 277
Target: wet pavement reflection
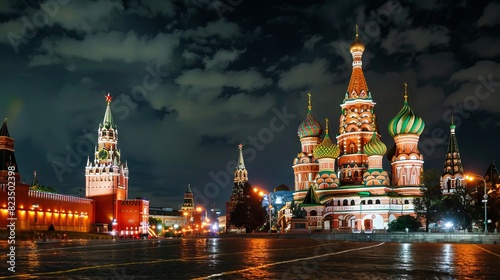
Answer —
251 258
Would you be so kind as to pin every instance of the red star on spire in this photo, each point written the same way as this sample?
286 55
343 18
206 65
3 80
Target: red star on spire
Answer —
108 98
240 146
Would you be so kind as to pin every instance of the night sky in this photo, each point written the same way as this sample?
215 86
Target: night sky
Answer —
192 79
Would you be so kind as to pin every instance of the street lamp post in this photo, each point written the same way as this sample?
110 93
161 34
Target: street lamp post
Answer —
485 200
35 206
269 208
80 220
203 218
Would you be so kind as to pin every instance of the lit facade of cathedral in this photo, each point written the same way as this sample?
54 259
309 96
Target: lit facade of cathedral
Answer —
343 185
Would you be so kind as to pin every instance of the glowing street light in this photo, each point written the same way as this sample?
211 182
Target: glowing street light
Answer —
266 193
470 177
204 220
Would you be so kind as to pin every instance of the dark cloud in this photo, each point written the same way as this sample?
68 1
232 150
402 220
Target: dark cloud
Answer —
191 81
491 15
484 47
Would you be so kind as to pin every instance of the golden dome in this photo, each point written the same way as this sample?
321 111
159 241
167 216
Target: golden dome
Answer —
357 45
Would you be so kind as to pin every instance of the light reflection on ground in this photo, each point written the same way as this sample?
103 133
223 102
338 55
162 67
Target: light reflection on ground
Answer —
252 258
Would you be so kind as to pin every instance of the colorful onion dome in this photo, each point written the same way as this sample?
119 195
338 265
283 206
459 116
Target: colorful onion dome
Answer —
375 146
310 127
327 149
406 122
357 45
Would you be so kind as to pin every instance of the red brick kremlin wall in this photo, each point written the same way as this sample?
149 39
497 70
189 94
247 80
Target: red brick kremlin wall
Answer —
64 212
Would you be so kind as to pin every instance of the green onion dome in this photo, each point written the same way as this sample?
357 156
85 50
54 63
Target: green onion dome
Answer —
375 146
310 127
406 122
327 149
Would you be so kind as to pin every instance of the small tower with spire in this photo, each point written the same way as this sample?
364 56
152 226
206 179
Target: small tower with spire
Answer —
7 155
240 173
188 204
406 160
453 172
305 165
240 177
357 121
241 185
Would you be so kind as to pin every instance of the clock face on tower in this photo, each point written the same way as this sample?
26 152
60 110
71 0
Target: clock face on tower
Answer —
103 154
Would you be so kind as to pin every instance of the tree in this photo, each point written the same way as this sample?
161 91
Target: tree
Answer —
428 206
248 212
494 209
461 207
155 223
42 188
405 222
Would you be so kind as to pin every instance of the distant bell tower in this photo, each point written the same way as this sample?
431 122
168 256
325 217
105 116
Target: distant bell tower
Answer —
240 177
453 172
188 204
240 173
240 184
106 177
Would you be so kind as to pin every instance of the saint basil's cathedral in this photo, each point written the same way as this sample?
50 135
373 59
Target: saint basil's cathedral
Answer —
344 185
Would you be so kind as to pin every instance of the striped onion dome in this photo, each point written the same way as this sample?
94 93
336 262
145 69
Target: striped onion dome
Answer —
309 127
327 149
406 122
375 146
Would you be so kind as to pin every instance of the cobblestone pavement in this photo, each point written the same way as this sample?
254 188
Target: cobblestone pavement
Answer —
250 258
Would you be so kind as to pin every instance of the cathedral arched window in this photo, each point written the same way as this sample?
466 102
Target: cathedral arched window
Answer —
313 213
406 201
345 202
370 201
377 201
352 202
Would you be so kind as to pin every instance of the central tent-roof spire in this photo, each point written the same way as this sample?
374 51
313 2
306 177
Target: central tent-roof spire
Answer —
357 89
108 117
